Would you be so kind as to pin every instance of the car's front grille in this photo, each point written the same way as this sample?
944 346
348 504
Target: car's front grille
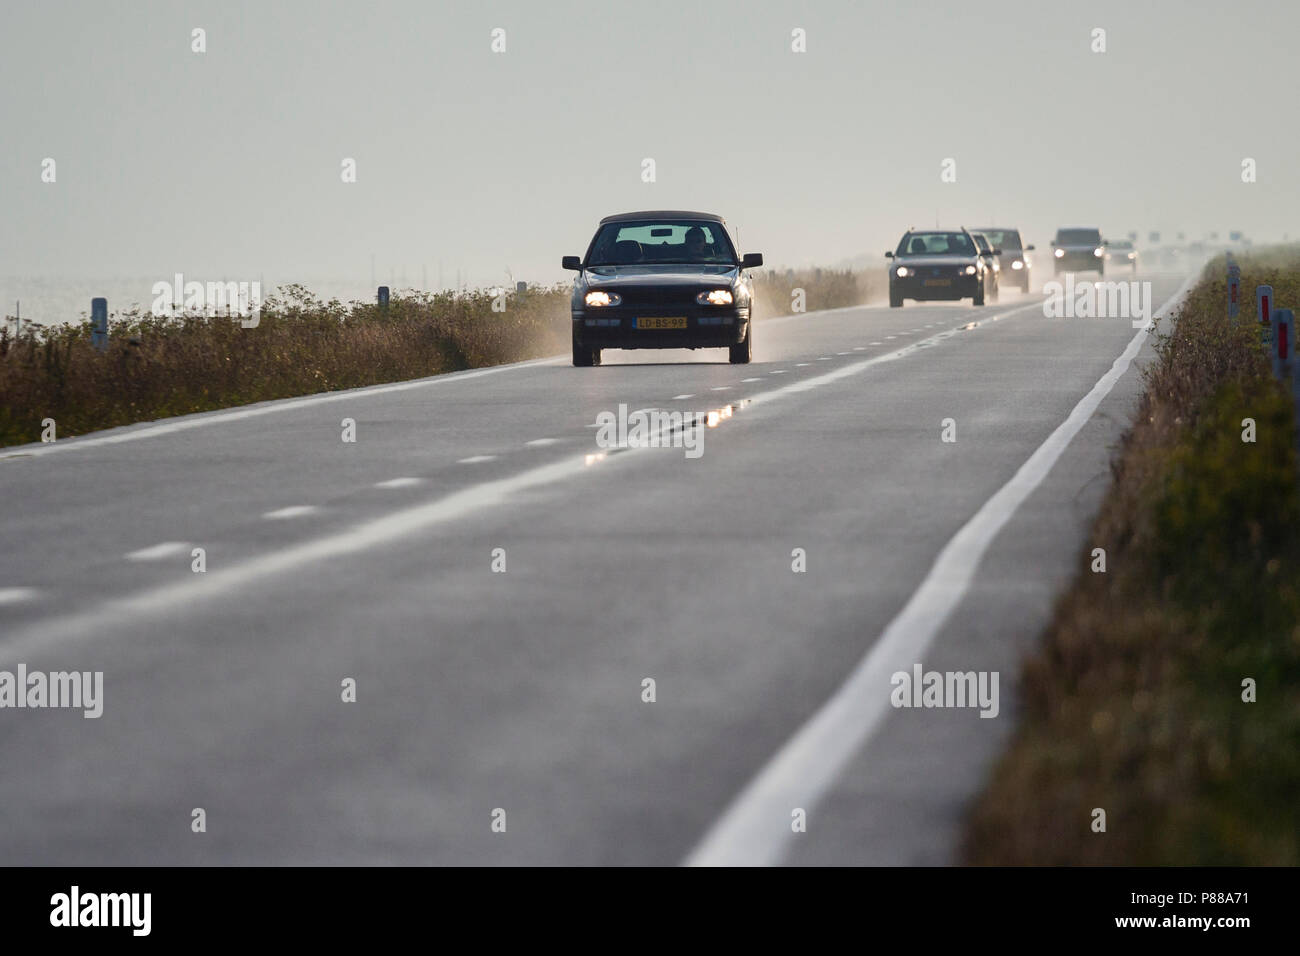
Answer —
937 272
657 298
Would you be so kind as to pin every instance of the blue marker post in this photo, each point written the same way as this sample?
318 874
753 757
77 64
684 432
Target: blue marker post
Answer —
383 297
99 323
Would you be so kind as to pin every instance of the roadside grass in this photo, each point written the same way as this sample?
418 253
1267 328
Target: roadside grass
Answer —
1134 701
774 290
160 367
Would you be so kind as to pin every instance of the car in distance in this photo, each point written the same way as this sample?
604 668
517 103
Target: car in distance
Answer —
1079 250
1122 253
990 255
1015 265
662 279
938 264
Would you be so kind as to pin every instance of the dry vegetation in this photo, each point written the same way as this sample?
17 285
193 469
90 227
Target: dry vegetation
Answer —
1134 702
159 367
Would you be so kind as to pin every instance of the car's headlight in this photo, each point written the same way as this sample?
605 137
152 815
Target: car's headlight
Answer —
715 297
598 299
1132 255
1017 264
1059 253
970 270
902 272
1098 252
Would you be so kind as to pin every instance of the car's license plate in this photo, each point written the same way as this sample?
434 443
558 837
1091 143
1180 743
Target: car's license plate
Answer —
938 282
661 322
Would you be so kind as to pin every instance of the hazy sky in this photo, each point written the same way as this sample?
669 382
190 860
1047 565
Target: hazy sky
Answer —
227 163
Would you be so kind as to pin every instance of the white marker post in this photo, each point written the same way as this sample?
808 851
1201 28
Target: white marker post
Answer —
1283 343
1234 291
1263 312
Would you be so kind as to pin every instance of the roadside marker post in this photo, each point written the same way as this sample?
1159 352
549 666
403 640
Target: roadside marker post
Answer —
382 298
99 324
1263 305
1234 291
1283 343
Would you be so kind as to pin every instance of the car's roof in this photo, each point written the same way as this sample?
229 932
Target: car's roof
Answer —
662 214
995 229
1078 229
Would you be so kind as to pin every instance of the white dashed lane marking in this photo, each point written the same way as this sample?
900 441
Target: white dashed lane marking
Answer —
157 552
475 459
397 483
293 511
537 442
16 595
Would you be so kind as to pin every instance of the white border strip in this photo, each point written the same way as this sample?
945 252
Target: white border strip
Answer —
127 611
755 828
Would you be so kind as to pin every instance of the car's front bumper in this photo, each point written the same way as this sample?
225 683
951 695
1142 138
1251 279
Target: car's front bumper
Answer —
1079 262
705 328
924 288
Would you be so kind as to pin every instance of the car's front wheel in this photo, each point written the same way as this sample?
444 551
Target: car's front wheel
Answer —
895 299
584 357
978 297
742 352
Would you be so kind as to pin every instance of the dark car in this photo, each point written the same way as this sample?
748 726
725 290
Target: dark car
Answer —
1079 250
990 255
1015 265
662 280
939 264
1122 253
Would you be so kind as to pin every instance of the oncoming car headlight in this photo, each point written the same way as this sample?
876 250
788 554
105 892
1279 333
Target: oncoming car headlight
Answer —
598 299
970 270
902 272
1059 253
1017 264
1098 252
715 297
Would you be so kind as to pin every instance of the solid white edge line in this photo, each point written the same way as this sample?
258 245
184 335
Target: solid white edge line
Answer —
126 611
755 829
167 426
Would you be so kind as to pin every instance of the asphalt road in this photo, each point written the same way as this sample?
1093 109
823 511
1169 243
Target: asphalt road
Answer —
522 691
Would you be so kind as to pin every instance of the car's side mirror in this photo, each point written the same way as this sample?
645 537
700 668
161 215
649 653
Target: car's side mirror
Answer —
571 262
1029 248
751 260
1105 242
986 255
997 252
889 255
1053 242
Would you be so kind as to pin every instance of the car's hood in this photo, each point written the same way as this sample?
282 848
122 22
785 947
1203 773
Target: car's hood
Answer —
614 277
1078 246
924 261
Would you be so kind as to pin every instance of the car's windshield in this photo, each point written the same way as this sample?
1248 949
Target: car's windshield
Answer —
1079 237
1121 245
936 244
1003 239
683 241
